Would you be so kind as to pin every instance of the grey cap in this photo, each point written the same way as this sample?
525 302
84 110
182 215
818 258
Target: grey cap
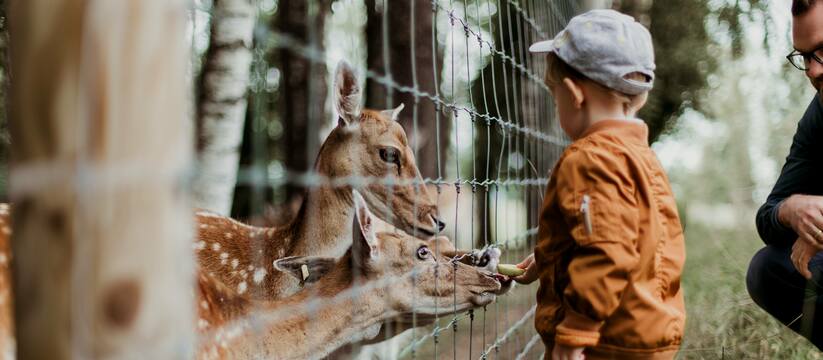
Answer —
606 46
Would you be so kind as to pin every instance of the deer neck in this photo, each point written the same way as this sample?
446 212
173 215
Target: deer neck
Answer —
241 256
324 223
309 332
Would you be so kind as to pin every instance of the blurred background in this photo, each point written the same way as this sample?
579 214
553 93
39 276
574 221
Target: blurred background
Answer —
722 114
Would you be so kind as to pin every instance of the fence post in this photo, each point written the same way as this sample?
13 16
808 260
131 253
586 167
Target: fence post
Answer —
99 121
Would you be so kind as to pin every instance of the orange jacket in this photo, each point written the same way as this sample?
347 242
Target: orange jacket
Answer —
610 249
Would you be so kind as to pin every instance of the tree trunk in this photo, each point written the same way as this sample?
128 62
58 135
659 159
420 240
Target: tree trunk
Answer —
102 231
221 107
396 18
303 89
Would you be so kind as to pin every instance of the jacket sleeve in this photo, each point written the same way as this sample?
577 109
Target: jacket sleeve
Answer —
801 174
599 204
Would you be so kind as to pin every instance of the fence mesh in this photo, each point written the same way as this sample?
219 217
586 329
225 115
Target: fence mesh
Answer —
494 113
497 139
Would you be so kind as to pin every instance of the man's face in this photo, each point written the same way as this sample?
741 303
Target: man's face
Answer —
807 33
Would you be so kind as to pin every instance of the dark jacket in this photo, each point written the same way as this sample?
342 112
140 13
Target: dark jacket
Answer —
802 174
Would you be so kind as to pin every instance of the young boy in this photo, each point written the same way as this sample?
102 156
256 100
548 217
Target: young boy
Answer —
610 247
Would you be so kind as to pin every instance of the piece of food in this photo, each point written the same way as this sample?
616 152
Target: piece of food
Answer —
510 270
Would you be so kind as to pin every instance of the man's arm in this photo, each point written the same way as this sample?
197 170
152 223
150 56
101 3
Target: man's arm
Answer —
801 174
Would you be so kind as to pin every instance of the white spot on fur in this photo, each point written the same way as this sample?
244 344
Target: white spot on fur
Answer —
204 226
3 259
270 232
204 304
228 235
202 324
224 255
215 246
250 268
234 263
200 245
241 288
259 274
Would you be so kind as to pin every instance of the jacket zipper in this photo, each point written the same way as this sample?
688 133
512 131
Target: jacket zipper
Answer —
585 209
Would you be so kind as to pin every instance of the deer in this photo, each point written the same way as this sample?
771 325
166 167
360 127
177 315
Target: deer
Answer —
366 144
382 275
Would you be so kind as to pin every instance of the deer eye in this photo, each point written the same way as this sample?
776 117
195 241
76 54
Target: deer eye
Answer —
390 155
423 253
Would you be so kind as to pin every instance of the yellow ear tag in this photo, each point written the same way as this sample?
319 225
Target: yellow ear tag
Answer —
305 270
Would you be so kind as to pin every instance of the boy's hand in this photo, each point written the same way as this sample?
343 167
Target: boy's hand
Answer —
561 352
531 271
802 252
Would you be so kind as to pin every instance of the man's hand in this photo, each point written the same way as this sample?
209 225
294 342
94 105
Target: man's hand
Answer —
531 271
802 252
561 352
804 214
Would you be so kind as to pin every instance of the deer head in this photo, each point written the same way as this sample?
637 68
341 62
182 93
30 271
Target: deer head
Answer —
420 281
372 144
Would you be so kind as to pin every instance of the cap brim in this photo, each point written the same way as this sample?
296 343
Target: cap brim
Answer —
542 46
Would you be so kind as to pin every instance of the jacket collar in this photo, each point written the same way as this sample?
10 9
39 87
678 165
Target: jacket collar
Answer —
633 130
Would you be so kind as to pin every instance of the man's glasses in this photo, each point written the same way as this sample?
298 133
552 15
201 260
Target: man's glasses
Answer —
802 60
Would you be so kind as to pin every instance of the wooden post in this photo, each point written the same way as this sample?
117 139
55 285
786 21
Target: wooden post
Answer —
102 263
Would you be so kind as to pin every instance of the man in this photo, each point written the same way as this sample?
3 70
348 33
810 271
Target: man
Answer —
786 277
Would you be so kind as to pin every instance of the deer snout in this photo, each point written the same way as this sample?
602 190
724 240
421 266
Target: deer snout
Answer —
439 224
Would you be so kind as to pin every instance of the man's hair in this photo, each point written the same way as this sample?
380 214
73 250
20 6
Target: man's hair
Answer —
800 7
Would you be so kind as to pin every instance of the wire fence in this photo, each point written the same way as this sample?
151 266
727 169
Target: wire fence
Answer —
497 114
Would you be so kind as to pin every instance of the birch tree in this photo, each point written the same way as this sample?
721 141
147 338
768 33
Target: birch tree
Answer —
221 103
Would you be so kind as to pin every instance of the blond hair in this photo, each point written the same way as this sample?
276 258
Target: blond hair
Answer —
557 70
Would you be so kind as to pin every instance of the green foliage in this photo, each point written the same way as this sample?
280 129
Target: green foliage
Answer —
686 51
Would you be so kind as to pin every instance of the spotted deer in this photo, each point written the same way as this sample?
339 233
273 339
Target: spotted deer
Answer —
381 276
365 144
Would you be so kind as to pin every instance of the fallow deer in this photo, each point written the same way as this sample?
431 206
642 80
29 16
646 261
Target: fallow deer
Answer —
380 277
365 144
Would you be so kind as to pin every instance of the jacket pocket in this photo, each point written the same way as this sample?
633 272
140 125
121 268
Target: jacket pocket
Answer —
586 213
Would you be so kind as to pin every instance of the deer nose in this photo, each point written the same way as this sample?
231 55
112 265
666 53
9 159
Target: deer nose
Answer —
440 224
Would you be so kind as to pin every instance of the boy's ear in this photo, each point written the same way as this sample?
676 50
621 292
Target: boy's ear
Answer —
576 91
307 269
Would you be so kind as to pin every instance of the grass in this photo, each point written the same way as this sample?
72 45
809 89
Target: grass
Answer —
723 321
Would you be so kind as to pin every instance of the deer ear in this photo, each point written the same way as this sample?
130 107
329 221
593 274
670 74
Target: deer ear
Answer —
307 269
346 94
364 237
393 114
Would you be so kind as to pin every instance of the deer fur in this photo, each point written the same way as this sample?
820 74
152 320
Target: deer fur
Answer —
365 143
375 274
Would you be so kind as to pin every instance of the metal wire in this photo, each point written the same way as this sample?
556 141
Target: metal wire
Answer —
513 143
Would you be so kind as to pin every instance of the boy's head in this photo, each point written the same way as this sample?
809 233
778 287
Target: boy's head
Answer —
601 65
